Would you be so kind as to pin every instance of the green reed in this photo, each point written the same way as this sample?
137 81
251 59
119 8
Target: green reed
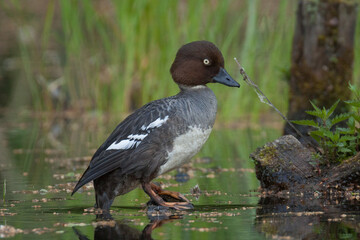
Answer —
4 191
115 56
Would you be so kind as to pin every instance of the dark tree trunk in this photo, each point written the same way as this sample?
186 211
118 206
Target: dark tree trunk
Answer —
322 56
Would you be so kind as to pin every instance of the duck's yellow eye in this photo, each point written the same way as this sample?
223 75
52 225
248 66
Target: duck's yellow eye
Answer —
206 61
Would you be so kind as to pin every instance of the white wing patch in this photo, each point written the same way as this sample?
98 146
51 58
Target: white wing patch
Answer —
155 124
133 140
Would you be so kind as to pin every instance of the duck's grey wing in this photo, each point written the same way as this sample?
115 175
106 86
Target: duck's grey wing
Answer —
135 143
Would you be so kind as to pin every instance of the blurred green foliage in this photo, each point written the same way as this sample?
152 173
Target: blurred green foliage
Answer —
115 56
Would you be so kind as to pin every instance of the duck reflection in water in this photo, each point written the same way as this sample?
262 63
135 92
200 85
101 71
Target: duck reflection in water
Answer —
112 229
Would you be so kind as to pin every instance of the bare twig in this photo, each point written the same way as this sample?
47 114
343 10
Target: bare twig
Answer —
265 100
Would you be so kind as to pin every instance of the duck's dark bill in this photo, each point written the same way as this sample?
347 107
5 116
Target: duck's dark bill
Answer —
224 78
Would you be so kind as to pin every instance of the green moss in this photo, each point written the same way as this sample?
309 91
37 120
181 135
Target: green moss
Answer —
267 155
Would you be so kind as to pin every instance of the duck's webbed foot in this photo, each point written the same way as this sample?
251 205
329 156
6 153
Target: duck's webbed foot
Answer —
168 196
165 198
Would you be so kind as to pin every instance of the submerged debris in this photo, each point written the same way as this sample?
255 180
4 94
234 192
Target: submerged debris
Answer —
7 231
196 190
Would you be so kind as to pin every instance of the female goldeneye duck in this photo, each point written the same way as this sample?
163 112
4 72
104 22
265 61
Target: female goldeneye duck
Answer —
163 134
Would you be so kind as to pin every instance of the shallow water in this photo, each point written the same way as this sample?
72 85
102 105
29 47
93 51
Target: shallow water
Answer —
42 159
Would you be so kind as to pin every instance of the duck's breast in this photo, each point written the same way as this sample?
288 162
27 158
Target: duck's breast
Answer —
185 146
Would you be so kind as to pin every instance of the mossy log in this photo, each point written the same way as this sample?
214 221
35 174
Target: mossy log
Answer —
286 164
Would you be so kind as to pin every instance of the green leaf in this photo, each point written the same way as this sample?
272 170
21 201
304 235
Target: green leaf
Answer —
334 137
332 109
356 117
315 107
352 87
318 114
351 123
328 124
347 138
317 135
345 150
306 122
324 113
354 90
345 130
354 103
328 134
340 118
340 144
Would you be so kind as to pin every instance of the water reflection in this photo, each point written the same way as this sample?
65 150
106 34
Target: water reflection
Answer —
121 230
308 218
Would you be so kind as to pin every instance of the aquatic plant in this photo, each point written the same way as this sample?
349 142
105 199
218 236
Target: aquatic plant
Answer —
337 142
